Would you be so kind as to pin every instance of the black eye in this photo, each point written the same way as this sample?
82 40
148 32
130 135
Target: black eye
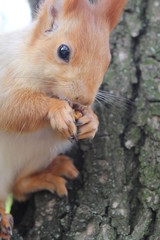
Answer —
64 52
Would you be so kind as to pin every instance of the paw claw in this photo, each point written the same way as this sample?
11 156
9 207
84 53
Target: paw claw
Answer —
11 220
73 139
9 231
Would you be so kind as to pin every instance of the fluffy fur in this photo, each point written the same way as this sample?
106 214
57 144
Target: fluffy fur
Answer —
36 122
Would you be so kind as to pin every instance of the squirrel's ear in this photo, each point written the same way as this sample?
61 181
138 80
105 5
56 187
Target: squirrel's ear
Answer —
47 14
112 10
50 10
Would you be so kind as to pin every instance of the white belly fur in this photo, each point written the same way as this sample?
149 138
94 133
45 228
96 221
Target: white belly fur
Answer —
25 154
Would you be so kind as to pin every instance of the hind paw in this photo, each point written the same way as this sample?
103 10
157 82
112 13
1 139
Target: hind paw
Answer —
6 226
61 166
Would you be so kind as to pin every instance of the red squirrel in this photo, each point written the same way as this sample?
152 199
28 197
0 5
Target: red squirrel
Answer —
46 69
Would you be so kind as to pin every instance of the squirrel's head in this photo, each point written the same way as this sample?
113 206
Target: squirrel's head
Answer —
70 46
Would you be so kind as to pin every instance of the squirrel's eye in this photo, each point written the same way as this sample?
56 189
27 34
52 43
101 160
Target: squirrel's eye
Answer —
64 52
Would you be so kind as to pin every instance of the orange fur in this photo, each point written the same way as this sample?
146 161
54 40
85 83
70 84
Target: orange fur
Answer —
27 111
50 179
24 111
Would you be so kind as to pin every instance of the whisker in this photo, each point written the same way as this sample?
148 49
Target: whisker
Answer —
113 100
99 102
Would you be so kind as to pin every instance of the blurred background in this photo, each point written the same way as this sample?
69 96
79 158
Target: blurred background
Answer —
10 16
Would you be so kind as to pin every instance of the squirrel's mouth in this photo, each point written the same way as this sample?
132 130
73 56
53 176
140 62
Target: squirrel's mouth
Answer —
75 105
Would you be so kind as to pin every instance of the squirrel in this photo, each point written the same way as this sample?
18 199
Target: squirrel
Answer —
50 73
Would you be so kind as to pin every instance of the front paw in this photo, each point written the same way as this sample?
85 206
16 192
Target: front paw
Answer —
87 125
62 119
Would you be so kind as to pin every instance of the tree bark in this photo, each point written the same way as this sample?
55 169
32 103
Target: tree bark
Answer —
118 195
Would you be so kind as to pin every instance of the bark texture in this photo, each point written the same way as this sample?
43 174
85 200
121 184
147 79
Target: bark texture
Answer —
118 195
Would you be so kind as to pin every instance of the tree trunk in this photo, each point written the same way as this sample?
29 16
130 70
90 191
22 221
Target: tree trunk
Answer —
118 195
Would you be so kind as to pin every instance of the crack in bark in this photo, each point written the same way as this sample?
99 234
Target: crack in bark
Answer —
135 43
151 225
